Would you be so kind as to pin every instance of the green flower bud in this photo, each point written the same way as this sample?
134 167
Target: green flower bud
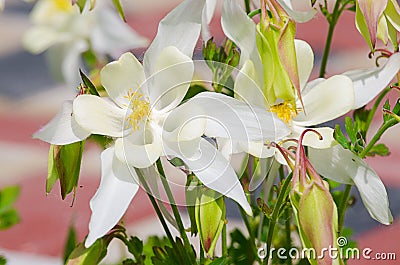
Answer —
317 219
275 43
210 218
88 256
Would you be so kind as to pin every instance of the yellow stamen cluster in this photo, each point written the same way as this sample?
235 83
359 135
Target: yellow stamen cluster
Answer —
63 5
140 109
285 111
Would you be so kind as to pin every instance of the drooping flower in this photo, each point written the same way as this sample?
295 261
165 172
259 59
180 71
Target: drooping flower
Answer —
65 33
145 116
323 100
378 19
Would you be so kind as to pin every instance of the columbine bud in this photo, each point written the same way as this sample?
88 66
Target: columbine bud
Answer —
378 19
313 205
275 43
210 218
88 256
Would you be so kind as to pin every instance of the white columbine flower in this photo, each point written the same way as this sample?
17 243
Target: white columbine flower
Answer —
324 100
60 28
145 115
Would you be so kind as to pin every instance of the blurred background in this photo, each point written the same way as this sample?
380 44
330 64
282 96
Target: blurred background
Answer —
29 97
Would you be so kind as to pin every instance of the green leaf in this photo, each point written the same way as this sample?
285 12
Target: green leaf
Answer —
70 244
86 81
380 150
8 196
220 261
118 6
360 120
173 255
386 106
240 249
351 130
8 214
3 260
8 219
135 247
340 138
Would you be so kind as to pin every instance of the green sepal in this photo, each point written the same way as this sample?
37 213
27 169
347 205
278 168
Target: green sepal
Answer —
120 10
210 215
362 26
81 4
64 164
90 86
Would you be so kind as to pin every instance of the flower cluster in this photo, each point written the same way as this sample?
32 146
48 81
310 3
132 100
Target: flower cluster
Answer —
165 110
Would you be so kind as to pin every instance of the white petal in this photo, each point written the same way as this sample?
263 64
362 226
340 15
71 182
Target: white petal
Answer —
248 87
312 139
305 61
184 123
215 172
112 35
72 62
173 72
62 129
180 28
99 116
369 83
343 166
141 149
327 101
231 118
119 77
39 39
117 189
238 27
298 16
208 13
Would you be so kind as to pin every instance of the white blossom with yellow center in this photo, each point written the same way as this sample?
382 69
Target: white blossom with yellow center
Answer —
62 30
324 100
145 115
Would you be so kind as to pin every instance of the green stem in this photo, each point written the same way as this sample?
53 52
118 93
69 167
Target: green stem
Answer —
254 13
247 224
288 233
275 213
375 107
343 206
171 199
247 6
377 136
332 20
155 205
224 242
201 254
